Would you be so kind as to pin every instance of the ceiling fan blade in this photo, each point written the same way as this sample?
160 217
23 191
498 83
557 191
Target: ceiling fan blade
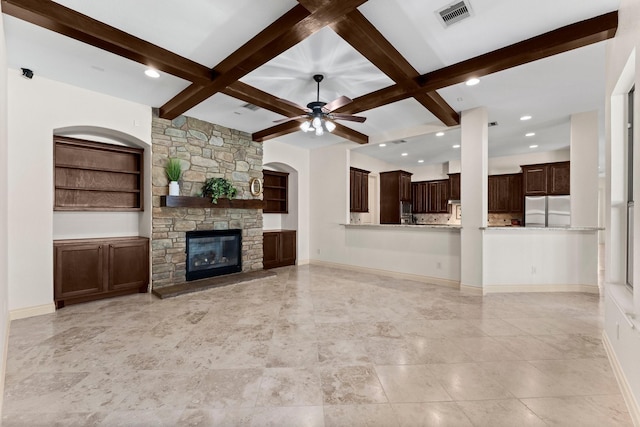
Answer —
336 103
349 117
286 119
293 104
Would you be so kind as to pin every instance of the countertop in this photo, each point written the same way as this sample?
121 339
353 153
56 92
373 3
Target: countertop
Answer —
406 226
519 228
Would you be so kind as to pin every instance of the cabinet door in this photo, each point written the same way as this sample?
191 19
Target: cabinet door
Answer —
364 193
287 248
535 180
128 264
443 190
498 194
79 270
354 180
559 178
419 197
405 187
270 249
516 200
454 186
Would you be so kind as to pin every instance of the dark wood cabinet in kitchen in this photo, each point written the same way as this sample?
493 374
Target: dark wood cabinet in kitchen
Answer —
454 186
546 179
395 188
90 269
438 196
359 185
419 197
559 178
505 193
279 248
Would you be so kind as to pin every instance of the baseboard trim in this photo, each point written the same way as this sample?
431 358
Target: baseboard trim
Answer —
36 310
476 290
303 262
490 289
415 277
629 399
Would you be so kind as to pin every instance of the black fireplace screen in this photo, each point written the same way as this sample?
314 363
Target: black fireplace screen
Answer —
213 253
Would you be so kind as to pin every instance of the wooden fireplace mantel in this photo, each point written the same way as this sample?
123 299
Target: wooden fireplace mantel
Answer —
205 202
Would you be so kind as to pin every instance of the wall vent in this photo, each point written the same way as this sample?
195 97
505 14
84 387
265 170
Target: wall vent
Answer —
399 141
492 124
250 107
453 13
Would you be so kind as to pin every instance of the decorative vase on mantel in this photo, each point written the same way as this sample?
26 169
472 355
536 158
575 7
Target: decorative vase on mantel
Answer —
174 188
173 171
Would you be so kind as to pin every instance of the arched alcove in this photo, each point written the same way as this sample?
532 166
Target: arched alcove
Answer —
106 224
290 220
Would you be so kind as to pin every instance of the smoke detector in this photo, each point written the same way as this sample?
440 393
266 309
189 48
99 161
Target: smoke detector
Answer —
453 13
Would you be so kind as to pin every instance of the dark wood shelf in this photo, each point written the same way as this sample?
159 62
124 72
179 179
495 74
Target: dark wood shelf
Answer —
205 202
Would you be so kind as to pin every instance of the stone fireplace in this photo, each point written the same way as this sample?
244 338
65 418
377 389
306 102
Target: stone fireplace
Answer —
206 151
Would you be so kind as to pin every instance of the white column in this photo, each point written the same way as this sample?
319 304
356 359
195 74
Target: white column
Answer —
473 195
584 169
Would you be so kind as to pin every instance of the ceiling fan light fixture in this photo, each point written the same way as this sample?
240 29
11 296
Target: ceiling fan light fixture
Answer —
329 125
316 122
319 131
306 126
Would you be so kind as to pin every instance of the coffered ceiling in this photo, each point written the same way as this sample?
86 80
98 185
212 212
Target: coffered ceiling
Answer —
404 70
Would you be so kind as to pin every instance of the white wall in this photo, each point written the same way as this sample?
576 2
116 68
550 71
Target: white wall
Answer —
622 71
511 164
4 203
37 107
275 152
525 260
584 169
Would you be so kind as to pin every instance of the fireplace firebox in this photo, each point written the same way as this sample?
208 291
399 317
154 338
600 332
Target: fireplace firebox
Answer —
213 253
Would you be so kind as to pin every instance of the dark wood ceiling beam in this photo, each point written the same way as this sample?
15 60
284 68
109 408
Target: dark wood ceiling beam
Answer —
356 30
350 134
561 40
274 40
68 22
252 95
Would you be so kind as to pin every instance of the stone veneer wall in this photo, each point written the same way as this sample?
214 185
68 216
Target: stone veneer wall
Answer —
205 151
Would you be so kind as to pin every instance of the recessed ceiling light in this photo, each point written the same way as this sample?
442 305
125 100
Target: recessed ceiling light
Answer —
533 146
523 118
440 134
382 145
404 154
150 72
472 82
420 161
530 134
456 146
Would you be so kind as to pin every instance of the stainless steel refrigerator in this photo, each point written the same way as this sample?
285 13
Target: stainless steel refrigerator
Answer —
547 211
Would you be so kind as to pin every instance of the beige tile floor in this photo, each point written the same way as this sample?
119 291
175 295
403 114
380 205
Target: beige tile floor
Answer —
316 346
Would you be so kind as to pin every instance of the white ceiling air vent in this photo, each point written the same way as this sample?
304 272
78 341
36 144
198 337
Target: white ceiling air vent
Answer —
250 107
454 12
399 141
492 124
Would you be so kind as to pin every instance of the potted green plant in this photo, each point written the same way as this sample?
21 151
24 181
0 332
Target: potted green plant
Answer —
218 187
173 171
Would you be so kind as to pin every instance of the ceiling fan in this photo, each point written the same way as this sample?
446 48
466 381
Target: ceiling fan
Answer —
320 114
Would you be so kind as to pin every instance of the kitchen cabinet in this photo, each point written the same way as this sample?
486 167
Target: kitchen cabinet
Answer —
505 193
275 189
359 185
90 269
454 186
279 248
438 196
546 179
419 197
395 189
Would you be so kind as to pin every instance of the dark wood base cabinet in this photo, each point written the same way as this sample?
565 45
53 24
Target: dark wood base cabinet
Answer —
90 269
279 248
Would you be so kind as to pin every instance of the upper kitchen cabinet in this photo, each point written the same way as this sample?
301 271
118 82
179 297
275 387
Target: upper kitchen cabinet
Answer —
558 178
395 189
546 179
419 196
359 183
438 196
505 193
454 186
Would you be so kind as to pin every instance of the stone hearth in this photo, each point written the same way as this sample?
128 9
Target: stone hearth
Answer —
205 151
